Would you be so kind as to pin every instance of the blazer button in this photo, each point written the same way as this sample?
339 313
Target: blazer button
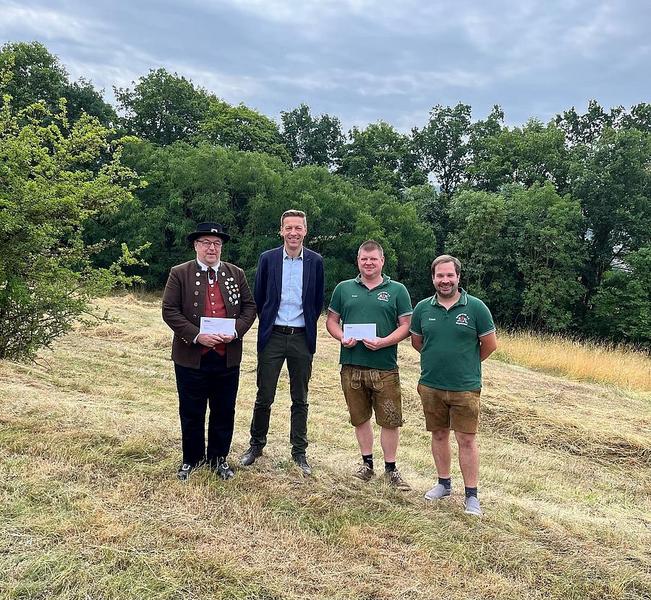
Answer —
196 304
197 283
194 316
196 292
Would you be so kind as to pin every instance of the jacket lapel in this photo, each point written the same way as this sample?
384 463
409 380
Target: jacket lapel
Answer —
307 272
278 272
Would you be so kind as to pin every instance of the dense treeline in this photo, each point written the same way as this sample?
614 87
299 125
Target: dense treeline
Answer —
551 220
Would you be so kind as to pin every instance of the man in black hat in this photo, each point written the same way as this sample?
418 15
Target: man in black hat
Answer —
207 365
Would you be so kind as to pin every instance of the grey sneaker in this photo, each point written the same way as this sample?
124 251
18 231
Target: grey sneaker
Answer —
395 480
472 506
437 492
365 473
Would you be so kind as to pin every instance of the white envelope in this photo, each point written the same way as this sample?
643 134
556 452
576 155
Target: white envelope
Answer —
217 325
359 331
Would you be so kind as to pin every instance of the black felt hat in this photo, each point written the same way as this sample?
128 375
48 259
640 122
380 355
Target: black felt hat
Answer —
208 229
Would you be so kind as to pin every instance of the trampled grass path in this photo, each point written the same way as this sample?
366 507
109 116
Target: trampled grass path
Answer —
90 506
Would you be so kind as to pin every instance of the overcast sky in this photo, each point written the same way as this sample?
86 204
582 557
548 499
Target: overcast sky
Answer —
360 60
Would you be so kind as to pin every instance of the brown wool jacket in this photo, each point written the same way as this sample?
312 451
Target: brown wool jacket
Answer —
183 307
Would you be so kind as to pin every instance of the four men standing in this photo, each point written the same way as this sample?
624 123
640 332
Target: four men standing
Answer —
369 315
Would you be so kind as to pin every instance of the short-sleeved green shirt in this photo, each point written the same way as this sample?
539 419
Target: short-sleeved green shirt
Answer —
383 305
449 359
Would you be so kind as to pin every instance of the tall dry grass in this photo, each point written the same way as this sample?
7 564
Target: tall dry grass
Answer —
585 361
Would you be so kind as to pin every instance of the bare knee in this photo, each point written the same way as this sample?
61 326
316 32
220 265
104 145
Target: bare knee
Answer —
466 441
440 435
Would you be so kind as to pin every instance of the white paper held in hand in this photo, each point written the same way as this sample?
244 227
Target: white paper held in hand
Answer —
217 325
359 331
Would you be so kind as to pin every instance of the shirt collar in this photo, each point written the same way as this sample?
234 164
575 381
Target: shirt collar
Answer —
205 267
286 256
462 301
385 280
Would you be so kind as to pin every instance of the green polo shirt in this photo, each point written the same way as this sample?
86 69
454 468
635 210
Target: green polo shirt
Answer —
383 305
449 359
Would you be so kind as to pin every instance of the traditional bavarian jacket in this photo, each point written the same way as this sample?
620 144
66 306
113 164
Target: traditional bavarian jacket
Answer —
184 303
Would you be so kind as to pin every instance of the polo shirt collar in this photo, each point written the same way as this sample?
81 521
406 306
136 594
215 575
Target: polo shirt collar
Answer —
286 256
462 301
385 280
205 267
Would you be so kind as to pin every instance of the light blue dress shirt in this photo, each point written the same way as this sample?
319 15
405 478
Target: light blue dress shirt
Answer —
290 311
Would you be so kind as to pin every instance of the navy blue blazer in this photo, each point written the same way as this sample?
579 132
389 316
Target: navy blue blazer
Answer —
268 286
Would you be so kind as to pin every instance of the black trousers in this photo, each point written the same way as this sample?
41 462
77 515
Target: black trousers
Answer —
213 385
279 348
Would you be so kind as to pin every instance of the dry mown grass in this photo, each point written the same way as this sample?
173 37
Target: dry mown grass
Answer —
90 506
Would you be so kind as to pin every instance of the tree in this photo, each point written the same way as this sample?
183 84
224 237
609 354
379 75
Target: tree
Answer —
241 128
312 140
442 145
163 107
380 158
612 181
622 304
36 75
521 252
535 153
587 128
544 231
49 188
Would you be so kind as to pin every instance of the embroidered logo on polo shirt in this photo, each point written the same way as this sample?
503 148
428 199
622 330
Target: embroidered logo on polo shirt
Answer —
383 296
462 319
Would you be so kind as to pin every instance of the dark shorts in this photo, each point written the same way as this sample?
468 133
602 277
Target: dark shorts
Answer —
450 410
372 390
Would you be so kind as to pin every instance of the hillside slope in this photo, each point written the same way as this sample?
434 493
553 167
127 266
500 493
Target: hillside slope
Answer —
90 506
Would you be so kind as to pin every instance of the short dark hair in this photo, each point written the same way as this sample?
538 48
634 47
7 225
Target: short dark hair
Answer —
370 245
292 212
447 258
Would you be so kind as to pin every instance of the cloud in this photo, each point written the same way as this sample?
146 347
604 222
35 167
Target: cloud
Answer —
43 23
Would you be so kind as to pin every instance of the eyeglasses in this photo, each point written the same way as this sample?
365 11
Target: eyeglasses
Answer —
207 243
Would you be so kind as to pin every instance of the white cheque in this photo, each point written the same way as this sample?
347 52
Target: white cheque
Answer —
217 325
360 331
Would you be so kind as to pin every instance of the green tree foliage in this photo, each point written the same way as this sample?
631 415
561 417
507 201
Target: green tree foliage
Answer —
521 251
442 145
380 158
612 180
163 107
241 128
49 188
622 310
312 140
535 153
248 192
35 75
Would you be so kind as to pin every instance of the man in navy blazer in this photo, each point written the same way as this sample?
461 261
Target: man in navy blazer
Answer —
289 288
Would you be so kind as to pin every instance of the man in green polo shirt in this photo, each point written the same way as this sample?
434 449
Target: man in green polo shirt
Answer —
454 333
369 365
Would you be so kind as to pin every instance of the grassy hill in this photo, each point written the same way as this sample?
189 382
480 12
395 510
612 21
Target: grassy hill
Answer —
90 506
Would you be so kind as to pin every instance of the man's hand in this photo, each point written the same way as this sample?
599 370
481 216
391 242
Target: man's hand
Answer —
375 343
224 339
208 339
348 343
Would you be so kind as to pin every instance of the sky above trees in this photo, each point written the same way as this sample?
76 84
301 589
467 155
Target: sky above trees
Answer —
361 60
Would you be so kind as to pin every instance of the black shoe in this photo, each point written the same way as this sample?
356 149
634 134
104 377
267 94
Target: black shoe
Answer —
222 469
302 464
250 456
186 468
